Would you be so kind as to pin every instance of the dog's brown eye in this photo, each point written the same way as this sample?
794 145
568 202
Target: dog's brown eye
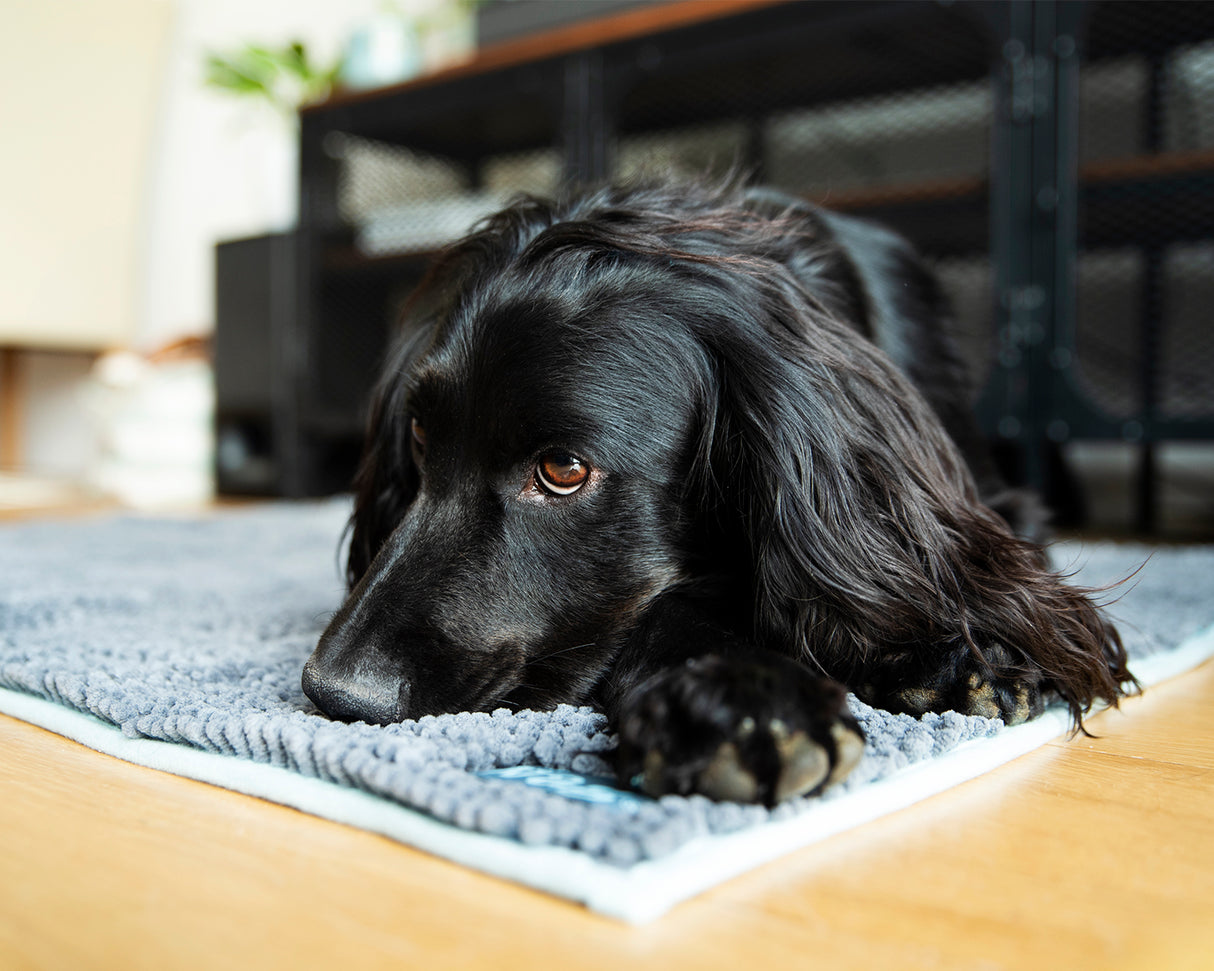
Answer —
418 432
561 474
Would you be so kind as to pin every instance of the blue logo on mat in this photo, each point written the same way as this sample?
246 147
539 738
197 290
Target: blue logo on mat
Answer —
583 788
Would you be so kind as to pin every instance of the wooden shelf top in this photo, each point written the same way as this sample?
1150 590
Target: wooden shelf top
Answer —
1148 167
567 39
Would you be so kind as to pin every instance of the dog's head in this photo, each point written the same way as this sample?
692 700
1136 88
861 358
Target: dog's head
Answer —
549 447
527 486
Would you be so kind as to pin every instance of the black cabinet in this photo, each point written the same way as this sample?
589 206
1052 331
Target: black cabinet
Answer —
1053 160
253 343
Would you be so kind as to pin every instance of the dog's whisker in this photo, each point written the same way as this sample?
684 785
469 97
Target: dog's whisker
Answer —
566 650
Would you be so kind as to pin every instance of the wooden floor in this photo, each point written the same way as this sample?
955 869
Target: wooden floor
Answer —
1088 853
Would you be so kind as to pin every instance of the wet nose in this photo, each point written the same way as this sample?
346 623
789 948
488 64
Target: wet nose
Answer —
368 697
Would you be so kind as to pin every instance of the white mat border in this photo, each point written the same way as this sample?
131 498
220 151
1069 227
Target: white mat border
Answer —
635 894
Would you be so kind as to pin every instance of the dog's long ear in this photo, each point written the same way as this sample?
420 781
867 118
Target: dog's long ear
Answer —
863 525
387 479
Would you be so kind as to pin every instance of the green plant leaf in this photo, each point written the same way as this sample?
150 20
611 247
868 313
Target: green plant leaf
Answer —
222 73
285 77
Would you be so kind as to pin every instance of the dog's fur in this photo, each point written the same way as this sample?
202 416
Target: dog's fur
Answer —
784 490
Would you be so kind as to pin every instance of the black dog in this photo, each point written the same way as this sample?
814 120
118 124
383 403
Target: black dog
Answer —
695 456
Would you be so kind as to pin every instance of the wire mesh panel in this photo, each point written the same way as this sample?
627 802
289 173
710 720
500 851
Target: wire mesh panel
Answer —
1144 353
883 110
927 135
894 96
1146 220
1186 342
712 149
399 200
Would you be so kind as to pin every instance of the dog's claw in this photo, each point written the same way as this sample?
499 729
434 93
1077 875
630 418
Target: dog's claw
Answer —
726 779
804 765
849 749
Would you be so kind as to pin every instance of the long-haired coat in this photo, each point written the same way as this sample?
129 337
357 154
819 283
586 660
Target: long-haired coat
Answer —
700 457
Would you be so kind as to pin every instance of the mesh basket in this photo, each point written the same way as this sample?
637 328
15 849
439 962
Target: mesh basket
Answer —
400 200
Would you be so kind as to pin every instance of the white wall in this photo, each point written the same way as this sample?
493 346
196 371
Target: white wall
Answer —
121 170
79 83
223 168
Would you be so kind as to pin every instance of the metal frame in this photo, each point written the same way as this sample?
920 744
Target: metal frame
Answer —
1035 400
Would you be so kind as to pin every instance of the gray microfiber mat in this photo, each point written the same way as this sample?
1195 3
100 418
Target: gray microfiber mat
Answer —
194 632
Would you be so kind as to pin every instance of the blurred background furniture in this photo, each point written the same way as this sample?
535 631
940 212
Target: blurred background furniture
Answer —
68 251
1053 160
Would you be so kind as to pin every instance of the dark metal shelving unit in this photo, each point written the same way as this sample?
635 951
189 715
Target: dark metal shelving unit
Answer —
783 89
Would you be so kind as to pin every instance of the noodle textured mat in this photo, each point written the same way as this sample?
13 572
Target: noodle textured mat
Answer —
178 644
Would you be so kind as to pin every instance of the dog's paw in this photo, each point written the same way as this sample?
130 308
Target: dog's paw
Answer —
737 729
998 687
1012 700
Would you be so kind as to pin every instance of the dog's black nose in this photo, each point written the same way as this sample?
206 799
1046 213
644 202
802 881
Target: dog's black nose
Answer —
367 698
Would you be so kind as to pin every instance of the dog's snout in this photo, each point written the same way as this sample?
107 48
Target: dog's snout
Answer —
373 699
